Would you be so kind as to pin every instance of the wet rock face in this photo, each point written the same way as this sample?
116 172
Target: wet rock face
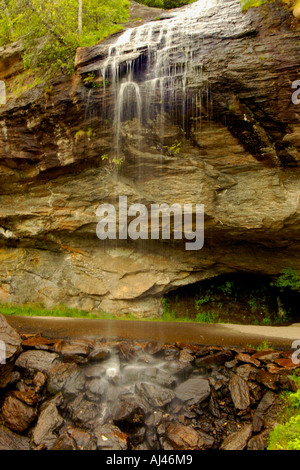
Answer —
139 402
228 137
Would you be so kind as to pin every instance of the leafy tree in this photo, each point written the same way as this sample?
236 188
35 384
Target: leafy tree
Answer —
51 30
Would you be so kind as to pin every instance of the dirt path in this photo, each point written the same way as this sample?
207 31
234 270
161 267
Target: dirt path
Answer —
213 334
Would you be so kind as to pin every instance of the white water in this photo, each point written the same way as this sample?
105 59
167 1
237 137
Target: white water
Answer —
157 67
163 79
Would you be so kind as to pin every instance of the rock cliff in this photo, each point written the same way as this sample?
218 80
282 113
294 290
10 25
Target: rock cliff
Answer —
229 139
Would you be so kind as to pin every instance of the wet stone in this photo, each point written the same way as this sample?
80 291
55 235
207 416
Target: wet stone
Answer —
74 352
156 396
48 423
193 391
41 343
129 410
218 358
110 437
17 415
65 378
185 356
98 387
41 361
83 440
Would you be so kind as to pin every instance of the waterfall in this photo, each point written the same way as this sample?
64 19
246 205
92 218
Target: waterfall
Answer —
149 67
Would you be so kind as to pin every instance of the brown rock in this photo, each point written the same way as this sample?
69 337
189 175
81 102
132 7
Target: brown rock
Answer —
74 351
218 358
12 441
110 437
259 442
186 438
10 338
185 356
129 410
287 364
157 396
11 62
267 354
39 342
258 417
64 442
83 439
239 392
41 361
29 397
16 415
237 440
247 358
10 346
65 378
48 423
240 183
39 381
267 379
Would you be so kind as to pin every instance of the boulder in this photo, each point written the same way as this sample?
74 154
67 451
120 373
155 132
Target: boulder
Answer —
237 440
17 415
157 397
110 437
239 391
193 390
10 339
181 437
65 378
129 409
48 423
11 441
41 361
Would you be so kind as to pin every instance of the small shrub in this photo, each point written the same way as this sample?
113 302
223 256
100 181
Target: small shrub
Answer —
289 279
207 317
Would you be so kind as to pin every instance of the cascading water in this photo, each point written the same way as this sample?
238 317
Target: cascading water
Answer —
149 68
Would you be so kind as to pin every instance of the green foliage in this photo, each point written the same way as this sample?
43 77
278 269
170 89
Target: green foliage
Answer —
167 315
203 300
50 30
227 288
207 317
286 436
174 149
261 347
41 311
289 279
246 4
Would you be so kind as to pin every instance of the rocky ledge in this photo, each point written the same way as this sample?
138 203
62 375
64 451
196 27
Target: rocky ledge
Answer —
87 394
